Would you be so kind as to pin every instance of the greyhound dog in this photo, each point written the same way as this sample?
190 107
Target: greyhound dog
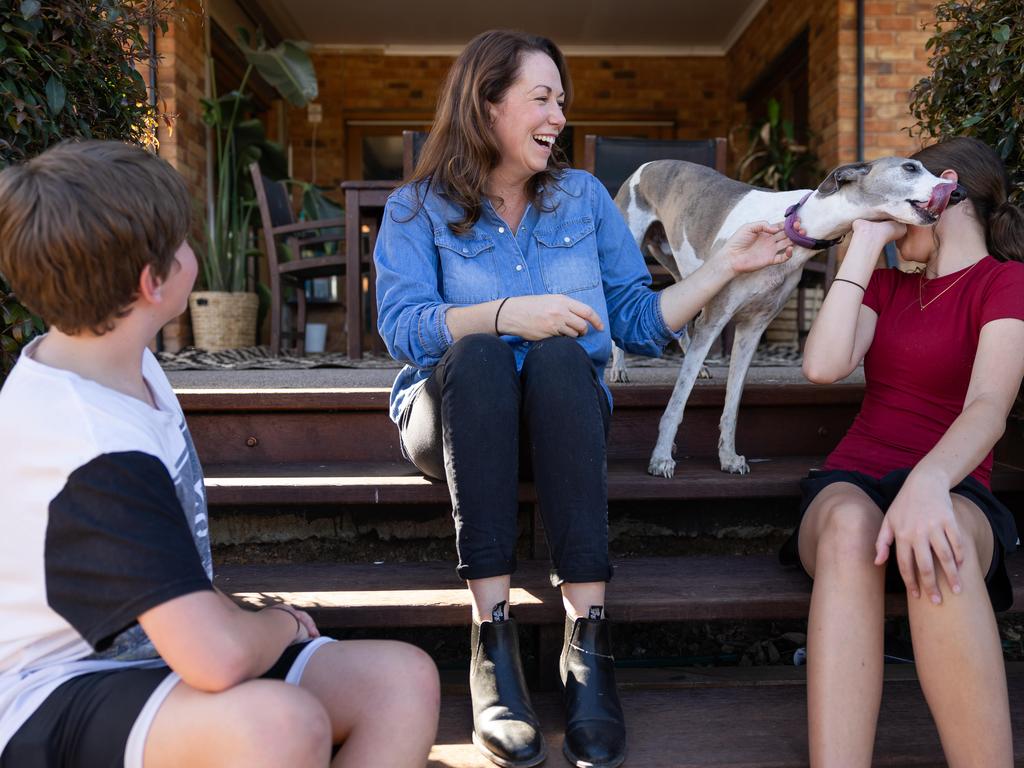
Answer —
699 209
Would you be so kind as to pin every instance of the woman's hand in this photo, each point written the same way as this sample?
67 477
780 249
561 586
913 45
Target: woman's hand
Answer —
922 525
754 246
878 232
539 317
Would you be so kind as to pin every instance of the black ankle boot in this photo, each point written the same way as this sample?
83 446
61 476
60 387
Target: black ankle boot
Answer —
505 727
595 730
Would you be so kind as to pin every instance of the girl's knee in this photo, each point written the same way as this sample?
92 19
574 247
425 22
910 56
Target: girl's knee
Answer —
847 535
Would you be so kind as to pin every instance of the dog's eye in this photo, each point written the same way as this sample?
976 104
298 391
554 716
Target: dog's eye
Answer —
910 168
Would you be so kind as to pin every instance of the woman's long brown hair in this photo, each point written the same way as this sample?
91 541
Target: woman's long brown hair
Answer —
461 150
984 176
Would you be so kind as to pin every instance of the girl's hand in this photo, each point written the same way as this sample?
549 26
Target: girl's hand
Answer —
922 525
880 232
539 317
754 246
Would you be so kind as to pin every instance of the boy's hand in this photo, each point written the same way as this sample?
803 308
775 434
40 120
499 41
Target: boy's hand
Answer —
306 628
922 525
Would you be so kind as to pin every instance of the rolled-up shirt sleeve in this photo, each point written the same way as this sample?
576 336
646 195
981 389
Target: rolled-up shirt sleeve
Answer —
634 310
410 307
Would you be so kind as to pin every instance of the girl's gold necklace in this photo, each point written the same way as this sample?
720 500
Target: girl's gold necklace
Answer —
920 287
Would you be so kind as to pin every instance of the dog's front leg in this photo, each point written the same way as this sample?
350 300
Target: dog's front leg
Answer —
662 464
744 344
617 373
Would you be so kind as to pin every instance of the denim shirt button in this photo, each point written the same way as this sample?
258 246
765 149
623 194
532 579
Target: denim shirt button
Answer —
519 267
465 250
568 239
501 230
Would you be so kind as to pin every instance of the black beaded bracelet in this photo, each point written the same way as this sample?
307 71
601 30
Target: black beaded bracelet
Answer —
851 282
496 331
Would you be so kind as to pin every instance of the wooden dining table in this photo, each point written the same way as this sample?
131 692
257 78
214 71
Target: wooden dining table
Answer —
363 199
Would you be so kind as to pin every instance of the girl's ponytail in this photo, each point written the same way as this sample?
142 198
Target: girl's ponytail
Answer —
1005 232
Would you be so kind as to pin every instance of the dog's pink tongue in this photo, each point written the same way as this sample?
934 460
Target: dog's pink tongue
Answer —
940 198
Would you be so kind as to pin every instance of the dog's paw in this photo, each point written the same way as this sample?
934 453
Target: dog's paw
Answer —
618 375
661 467
737 465
704 373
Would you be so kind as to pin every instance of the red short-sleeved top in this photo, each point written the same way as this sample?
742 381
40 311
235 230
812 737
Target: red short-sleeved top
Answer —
919 364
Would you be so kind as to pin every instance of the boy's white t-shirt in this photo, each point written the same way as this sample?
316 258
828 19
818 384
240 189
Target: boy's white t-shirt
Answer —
102 517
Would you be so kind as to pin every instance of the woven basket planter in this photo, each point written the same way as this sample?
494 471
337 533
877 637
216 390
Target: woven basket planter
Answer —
222 320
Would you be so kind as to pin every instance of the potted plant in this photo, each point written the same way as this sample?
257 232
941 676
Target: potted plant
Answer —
224 313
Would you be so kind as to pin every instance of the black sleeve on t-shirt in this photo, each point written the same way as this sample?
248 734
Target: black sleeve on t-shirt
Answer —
118 544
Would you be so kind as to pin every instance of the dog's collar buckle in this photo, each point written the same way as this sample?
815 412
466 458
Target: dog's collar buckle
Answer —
802 240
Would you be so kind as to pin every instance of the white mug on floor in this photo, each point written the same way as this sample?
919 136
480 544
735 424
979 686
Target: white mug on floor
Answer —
316 337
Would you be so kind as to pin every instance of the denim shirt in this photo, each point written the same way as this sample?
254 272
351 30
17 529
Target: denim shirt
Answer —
582 248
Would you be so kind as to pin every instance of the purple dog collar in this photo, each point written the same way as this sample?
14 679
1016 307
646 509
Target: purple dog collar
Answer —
802 240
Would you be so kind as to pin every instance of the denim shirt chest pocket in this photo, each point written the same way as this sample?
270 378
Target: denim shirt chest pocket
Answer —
569 260
467 267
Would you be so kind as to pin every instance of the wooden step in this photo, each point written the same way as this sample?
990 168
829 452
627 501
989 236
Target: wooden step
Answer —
338 483
402 483
255 426
655 589
750 724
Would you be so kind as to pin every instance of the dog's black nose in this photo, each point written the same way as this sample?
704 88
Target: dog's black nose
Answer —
958 194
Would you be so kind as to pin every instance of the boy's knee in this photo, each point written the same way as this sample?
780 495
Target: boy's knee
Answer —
412 674
282 724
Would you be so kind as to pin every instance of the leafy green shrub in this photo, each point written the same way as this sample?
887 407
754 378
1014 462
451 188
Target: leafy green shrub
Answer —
68 69
977 82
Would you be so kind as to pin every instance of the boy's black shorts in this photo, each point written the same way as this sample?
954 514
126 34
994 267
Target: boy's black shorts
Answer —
88 722
883 492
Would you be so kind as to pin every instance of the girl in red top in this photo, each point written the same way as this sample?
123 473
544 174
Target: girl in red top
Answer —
906 492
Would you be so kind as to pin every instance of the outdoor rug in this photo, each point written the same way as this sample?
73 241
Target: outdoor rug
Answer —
253 358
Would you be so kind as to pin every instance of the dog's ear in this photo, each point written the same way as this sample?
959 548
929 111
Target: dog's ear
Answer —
842 175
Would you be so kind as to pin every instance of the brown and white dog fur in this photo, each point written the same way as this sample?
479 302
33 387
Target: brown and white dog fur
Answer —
699 209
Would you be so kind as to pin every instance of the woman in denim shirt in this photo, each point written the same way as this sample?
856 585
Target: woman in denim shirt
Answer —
502 279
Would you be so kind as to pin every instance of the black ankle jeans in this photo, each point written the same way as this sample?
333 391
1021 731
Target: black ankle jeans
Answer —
473 421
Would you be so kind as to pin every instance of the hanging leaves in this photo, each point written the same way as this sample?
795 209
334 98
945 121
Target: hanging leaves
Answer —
68 70
977 83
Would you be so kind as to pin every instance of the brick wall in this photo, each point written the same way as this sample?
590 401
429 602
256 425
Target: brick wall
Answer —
702 95
895 33
180 81
691 91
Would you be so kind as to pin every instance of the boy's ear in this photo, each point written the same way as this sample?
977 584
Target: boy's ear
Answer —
150 286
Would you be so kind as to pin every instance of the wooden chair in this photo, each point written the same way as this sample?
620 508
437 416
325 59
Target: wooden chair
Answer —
412 145
294 270
613 159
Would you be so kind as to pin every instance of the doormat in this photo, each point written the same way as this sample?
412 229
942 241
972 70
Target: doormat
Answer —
259 358
252 358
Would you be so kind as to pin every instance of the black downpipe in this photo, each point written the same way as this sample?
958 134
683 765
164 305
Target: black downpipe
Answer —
152 103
